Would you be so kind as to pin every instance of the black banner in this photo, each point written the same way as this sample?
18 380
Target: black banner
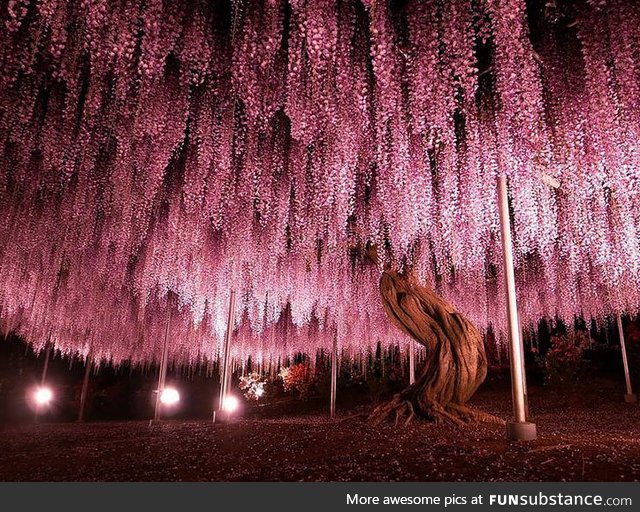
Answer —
302 497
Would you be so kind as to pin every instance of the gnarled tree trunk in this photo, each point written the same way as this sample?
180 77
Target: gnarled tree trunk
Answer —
456 362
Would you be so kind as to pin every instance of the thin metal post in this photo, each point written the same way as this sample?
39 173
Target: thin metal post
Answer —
629 397
521 429
226 362
45 368
85 387
162 376
365 365
524 372
334 374
412 361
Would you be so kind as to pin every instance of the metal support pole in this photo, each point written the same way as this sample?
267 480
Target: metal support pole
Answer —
520 429
226 362
334 374
630 398
85 387
162 376
45 368
524 372
412 361
364 365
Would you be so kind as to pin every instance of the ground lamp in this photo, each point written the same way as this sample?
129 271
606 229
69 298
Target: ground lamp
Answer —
230 404
169 396
42 396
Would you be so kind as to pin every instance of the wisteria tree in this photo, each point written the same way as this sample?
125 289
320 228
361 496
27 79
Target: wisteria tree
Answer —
157 146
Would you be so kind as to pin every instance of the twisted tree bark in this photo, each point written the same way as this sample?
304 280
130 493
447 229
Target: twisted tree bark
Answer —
456 362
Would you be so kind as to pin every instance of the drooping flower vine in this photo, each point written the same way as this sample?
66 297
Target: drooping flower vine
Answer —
157 154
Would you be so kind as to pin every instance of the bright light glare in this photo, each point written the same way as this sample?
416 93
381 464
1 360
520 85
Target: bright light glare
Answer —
259 392
169 396
230 403
43 396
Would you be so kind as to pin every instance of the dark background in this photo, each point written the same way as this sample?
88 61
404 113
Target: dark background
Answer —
126 392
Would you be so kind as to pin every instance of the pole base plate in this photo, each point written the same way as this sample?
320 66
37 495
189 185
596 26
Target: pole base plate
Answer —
222 417
631 398
521 431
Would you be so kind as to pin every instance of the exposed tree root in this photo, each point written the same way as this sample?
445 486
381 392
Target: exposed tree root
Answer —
402 410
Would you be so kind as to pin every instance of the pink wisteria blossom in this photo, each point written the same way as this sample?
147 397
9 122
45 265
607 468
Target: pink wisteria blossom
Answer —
157 154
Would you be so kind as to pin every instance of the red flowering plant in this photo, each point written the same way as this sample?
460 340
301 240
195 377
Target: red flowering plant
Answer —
297 379
564 361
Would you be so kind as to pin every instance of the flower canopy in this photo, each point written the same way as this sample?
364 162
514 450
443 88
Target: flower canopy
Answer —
157 154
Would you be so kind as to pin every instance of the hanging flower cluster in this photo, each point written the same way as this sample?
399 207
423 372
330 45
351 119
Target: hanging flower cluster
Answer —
157 154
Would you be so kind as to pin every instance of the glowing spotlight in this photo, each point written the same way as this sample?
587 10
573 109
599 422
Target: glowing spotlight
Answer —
230 404
43 396
169 396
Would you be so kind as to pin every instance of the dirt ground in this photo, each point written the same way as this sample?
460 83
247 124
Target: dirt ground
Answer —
581 438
